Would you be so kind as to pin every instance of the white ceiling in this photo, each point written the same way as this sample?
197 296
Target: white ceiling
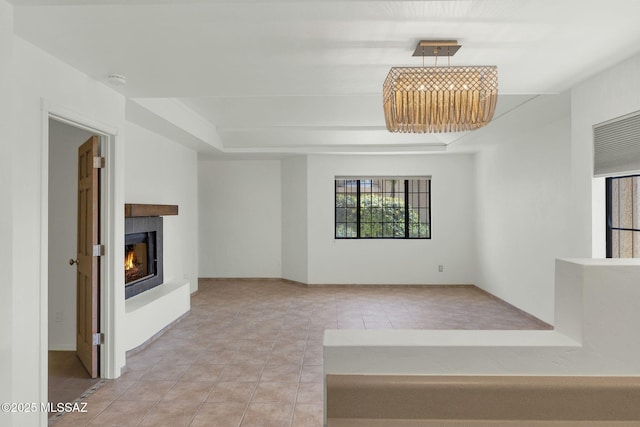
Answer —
306 76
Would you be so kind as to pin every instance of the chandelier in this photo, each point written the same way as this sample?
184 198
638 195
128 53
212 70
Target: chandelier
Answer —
439 99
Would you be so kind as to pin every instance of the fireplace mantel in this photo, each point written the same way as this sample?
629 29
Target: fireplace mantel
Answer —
136 210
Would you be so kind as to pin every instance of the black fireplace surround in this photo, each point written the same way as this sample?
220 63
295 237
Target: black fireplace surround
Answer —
148 231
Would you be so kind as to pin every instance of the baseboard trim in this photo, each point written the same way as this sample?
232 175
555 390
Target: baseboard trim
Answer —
330 285
240 279
65 347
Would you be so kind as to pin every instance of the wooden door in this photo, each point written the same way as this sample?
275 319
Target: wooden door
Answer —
88 265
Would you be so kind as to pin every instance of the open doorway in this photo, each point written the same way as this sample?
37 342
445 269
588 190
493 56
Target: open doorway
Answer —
67 377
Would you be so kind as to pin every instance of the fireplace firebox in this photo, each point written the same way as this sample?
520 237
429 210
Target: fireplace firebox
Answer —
140 259
143 260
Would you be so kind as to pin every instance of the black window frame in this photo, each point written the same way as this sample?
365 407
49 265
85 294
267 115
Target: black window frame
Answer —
609 215
406 193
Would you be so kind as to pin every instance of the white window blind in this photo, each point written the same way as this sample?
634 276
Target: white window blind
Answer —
617 145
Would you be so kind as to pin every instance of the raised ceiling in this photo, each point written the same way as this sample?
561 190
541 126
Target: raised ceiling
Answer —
306 76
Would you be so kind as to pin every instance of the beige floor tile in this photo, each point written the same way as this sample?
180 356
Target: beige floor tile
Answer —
377 324
93 409
122 413
193 391
203 372
268 415
165 372
285 358
219 415
110 390
232 391
250 357
284 346
180 353
217 356
248 373
136 374
275 392
171 414
312 373
312 392
146 391
226 344
257 345
281 373
312 358
306 415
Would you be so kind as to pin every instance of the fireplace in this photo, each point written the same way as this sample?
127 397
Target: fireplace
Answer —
140 257
143 266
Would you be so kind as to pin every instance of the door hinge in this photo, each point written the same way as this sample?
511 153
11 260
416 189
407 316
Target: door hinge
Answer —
98 250
98 162
98 338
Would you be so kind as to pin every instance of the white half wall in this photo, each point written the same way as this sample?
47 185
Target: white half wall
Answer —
161 171
595 334
294 219
240 218
150 312
523 188
387 261
64 141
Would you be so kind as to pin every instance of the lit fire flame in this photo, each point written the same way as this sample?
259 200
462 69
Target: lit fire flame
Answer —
128 261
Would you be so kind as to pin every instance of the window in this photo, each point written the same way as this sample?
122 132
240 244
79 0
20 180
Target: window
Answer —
623 217
383 208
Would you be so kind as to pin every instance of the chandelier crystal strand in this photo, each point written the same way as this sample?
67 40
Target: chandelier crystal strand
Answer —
439 99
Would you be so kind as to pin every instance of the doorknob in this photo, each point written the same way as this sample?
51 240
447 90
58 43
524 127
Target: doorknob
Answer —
73 261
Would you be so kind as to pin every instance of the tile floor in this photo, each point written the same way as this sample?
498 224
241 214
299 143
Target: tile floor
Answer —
250 352
67 377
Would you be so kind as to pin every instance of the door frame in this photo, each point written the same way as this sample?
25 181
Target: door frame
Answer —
111 191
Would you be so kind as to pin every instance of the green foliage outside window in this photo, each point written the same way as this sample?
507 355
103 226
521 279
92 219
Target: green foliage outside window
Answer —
380 217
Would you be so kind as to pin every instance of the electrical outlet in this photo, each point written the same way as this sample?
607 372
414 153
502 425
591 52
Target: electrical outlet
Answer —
58 316
440 268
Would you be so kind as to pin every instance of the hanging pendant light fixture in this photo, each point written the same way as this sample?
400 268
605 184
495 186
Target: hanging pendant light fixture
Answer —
439 99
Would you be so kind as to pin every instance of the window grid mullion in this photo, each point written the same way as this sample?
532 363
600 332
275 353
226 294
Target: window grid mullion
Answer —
618 254
406 208
358 209
429 206
632 219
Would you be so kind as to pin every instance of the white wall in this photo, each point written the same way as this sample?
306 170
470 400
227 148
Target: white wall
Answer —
599 218
64 141
294 219
6 212
39 79
333 261
36 76
523 187
612 93
240 218
160 171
